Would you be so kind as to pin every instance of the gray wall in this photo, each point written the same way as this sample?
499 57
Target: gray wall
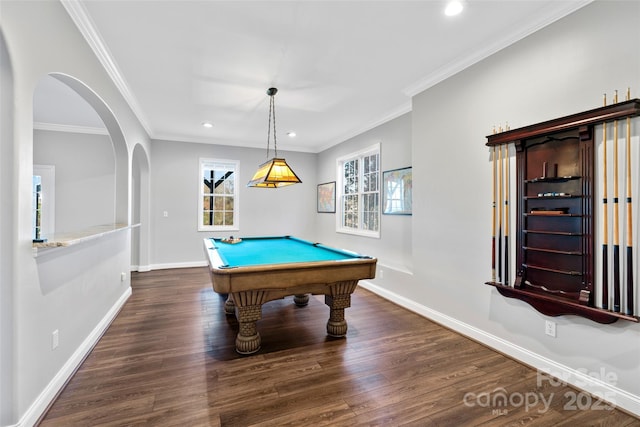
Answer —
175 182
7 318
393 248
74 289
84 190
560 70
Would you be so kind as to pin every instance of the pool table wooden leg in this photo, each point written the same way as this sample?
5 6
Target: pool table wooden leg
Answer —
229 305
301 300
338 299
248 339
337 325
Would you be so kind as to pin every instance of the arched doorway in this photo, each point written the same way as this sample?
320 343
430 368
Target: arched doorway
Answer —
140 258
121 202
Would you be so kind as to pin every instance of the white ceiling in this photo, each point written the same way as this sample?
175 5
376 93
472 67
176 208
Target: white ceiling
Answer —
341 67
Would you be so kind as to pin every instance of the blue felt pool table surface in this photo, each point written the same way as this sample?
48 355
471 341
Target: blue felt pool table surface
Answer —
276 250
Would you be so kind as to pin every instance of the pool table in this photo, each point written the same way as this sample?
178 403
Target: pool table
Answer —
255 270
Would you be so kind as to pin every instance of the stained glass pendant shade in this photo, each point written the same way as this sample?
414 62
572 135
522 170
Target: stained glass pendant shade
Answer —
275 172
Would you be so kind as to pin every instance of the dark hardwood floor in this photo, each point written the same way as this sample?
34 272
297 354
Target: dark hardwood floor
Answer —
169 359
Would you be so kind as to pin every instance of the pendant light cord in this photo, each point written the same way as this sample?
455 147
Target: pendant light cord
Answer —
272 112
275 141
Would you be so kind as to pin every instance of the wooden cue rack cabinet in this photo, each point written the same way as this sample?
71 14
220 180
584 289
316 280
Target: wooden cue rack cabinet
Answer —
555 213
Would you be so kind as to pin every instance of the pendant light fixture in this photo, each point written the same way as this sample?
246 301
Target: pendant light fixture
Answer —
275 172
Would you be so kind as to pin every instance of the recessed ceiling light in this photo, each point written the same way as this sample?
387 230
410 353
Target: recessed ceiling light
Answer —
207 124
291 134
453 8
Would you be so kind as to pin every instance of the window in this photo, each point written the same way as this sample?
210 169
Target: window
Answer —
37 205
218 201
43 219
359 193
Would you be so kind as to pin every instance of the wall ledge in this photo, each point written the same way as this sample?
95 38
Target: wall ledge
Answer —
397 268
63 240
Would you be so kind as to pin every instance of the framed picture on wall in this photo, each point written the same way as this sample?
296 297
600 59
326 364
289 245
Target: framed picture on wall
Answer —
327 197
397 187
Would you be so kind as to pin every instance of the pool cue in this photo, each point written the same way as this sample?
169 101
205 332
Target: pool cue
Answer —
605 219
630 283
500 198
616 230
493 219
506 217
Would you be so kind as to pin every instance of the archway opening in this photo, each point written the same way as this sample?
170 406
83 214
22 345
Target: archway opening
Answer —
140 209
77 135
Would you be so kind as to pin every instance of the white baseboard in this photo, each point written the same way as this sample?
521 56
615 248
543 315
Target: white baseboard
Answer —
52 389
140 268
593 385
190 264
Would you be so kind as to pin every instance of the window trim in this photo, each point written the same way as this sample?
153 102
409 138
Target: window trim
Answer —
203 162
372 149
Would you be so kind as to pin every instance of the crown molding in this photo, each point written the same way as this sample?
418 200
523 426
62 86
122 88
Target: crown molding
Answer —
472 58
83 21
54 127
393 114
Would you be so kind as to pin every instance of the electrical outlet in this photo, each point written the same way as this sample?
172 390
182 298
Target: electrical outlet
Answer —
55 339
550 328
123 277
165 214
381 273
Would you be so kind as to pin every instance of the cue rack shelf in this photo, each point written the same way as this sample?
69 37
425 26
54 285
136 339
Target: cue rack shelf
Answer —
555 211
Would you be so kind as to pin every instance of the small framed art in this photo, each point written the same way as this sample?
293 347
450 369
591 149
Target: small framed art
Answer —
327 197
396 191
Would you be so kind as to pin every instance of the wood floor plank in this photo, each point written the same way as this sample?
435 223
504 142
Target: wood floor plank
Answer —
169 359
333 414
